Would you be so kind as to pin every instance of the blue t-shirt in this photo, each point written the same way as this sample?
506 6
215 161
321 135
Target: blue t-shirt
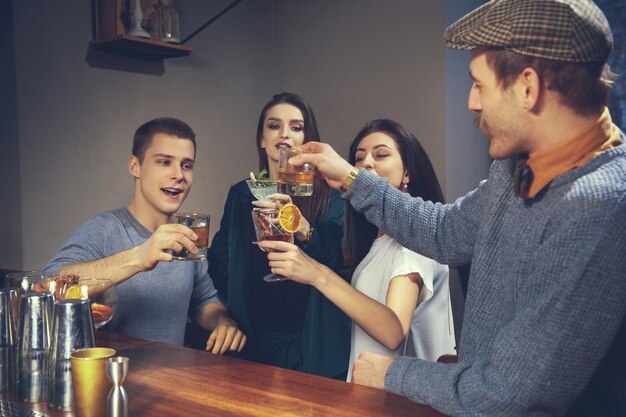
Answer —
151 305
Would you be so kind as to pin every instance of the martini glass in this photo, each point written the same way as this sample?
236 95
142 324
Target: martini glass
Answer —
267 228
261 189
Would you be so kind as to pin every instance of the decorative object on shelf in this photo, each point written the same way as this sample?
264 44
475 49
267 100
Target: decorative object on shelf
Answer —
127 27
136 20
165 23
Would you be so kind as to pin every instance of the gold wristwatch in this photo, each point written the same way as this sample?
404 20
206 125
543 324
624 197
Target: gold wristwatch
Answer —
347 182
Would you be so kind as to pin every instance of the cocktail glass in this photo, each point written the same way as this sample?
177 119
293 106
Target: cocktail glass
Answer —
57 284
24 281
199 223
294 180
267 227
101 292
261 189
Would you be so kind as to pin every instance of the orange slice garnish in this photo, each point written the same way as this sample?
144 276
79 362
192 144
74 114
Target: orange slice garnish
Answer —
290 218
76 291
72 292
100 312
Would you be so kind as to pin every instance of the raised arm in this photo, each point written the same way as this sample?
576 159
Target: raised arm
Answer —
446 233
104 247
123 265
387 323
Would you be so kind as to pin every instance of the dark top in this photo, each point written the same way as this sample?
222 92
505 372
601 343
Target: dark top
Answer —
273 306
237 267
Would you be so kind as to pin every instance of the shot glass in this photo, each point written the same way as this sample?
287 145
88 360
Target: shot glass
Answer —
90 383
294 180
199 223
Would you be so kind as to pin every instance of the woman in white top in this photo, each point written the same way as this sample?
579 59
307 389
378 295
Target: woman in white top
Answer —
394 291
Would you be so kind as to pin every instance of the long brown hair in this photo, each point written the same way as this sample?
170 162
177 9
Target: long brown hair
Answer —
316 206
360 232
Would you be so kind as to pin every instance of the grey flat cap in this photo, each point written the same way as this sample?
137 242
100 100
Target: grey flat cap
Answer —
563 30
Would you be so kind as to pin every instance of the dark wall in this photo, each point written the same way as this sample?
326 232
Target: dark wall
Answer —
615 12
10 203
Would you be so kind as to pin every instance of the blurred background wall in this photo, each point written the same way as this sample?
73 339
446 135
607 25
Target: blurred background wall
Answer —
70 111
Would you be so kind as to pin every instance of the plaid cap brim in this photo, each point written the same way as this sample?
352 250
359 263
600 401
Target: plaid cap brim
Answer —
563 30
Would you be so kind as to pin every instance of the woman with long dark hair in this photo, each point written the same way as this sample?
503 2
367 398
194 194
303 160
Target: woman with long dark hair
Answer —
394 291
288 324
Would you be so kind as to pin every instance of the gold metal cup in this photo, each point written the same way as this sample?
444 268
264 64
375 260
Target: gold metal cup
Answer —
90 383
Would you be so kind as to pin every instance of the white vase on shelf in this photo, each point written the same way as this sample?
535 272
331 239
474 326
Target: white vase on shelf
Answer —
136 20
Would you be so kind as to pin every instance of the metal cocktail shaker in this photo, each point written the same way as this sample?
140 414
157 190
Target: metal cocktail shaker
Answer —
72 329
8 338
33 346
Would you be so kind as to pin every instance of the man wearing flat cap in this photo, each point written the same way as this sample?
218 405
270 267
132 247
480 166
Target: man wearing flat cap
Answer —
544 331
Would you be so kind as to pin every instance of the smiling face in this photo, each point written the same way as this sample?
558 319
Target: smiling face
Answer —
499 112
284 124
163 178
378 153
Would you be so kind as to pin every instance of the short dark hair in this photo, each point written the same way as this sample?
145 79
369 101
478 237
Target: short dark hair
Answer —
583 87
423 181
166 125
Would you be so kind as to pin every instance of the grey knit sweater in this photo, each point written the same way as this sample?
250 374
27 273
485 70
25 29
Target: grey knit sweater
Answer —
544 331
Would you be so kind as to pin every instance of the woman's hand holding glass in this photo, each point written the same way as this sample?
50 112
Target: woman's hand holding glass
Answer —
290 261
274 201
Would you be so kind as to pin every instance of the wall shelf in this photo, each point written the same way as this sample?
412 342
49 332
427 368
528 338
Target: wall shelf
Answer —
142 48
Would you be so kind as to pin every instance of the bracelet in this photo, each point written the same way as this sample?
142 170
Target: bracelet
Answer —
347 182
309 234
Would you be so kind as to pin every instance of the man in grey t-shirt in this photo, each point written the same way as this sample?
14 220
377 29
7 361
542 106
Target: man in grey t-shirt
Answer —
132 245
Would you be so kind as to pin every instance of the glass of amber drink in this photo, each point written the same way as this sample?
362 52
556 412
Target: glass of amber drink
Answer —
199 223
294 180
101 292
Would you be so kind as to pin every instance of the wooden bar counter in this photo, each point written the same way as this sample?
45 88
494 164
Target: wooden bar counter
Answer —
167 380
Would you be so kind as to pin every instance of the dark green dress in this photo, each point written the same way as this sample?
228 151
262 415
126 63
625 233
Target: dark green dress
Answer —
287 324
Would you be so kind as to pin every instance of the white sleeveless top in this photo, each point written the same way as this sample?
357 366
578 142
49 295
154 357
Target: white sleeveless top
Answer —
432 330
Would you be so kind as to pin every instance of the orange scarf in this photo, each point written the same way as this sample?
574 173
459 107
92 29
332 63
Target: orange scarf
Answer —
571 154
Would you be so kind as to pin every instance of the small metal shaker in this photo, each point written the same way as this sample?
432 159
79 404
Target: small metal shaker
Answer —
72 329
117 400
33 346
8 338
